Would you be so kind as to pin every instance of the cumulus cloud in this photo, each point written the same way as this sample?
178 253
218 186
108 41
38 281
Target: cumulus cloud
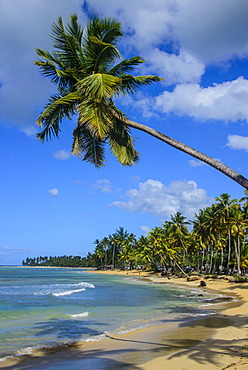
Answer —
181 68
178 39
209 31
154 197
237 142
54 192
226 101
62 154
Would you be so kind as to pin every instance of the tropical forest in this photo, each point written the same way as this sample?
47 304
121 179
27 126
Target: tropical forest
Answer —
214 242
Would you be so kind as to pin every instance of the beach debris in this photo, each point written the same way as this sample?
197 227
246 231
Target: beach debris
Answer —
203 283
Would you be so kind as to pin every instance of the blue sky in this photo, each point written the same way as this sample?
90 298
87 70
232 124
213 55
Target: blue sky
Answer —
52 203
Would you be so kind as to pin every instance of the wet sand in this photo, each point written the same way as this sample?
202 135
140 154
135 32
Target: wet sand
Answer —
217 342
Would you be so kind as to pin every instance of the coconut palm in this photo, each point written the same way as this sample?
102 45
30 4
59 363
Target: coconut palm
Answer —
83 67
179 231
239 227
225 207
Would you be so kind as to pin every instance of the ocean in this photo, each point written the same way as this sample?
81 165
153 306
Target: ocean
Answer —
48 307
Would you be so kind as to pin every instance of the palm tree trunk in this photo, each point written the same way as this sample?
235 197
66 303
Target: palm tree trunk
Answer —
239 256
222 259
241 180
211 260
198 261
184 273
113 257
203 256
229 250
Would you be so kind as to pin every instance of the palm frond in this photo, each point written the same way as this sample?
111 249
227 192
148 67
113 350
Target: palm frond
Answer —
87 147
126 65
107 29
121 143
74 29
57 108
95 115
99 86
106 54
130 84
67 44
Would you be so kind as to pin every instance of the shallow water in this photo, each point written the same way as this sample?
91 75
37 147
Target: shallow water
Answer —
42 307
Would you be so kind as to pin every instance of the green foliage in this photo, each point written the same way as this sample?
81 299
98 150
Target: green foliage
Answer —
217 243
60 261
84 67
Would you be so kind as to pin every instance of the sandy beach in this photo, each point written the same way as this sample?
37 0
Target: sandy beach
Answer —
216 342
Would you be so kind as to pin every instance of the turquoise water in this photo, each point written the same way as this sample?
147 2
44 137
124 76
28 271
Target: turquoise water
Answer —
42 307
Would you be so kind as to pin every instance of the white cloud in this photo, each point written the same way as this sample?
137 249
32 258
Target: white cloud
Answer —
208 31
54 192
237 142
178 38
226 101
104 185
62 154
7 248
154 197
181 68
214 31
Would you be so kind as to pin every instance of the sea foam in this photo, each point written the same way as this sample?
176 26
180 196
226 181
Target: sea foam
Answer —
83 314
67 292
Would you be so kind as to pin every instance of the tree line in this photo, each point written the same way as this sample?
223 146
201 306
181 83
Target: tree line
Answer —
60 261
214 242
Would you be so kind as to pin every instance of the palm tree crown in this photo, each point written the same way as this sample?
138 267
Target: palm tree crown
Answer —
83 66
84 70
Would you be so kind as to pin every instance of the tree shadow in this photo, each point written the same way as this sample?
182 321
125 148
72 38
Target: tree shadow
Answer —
65 329
209 350
192 339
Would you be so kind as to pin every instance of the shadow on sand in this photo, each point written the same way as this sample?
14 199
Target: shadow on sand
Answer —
192 339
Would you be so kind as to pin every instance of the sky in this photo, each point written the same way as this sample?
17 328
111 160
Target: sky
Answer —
51 202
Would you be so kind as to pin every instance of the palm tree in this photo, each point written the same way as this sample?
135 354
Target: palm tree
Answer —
239 227
225 207
245 201
82 66
99 251
179 230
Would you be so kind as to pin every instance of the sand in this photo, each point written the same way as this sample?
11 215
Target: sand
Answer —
217 342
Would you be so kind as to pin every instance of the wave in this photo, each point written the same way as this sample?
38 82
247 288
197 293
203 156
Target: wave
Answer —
42 290
86 285
53 289
96 338
67 292
83 314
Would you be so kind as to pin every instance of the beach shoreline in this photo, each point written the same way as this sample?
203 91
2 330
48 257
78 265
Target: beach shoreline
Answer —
209 343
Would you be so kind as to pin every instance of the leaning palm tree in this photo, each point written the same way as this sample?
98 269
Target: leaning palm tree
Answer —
83 66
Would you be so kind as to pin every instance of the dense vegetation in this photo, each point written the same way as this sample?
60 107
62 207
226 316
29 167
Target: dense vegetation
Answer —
61 261
217 243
